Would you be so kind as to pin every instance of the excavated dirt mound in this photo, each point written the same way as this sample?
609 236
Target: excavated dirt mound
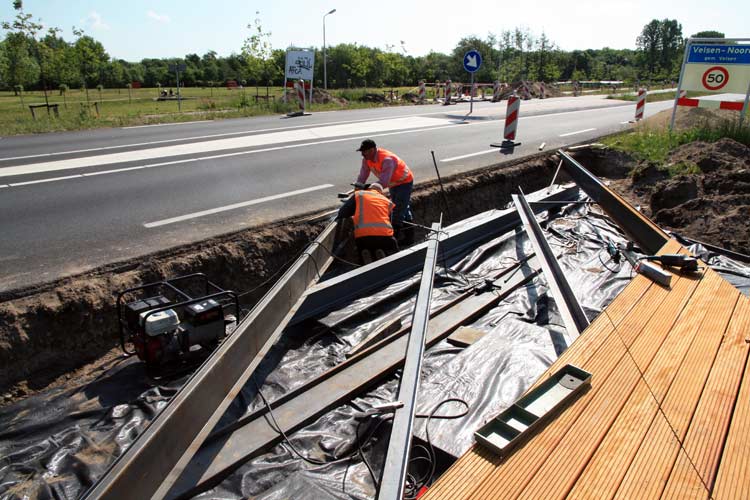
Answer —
703 191
319 97
68 329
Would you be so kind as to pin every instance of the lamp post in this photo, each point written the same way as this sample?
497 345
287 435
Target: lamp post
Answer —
325 75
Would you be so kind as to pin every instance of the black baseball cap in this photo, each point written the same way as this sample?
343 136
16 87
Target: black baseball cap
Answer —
366 144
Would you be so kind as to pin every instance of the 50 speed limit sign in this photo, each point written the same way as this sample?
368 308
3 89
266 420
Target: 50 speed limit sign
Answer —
715 78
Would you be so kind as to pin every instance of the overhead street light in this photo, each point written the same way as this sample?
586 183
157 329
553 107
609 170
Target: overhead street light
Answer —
325 75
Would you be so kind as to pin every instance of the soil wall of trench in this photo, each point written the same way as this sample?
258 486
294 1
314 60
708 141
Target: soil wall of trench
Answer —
53 329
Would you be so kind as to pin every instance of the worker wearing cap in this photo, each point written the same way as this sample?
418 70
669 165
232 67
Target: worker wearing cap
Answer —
392 173
371 214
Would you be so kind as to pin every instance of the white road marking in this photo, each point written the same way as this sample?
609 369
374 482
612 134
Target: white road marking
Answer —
203 213
577 132
166 124
211 136
624 123
469 155
224 144
202 158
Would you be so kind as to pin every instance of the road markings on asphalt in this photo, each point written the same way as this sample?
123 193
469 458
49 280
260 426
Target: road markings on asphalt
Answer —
446 160
214 157
397 124
234 206
577 132
166 124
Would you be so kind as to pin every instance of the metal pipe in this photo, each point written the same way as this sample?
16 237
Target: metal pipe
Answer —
397 456
572 312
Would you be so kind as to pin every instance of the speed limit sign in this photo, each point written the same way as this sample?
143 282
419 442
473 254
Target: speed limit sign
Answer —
715 78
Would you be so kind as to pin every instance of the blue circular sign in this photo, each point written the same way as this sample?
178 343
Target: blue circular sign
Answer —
472 61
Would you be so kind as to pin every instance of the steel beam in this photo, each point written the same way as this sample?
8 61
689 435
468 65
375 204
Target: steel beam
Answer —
342 289
148 468
572 312
397 455
639 228
253 435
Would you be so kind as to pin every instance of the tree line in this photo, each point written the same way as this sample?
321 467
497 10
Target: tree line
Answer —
32 58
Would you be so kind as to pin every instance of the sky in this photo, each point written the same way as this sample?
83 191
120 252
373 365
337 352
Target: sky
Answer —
137 29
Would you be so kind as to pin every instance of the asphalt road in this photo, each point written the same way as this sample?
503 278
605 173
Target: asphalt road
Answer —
74 201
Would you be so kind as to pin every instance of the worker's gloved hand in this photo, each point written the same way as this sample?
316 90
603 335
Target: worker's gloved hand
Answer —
361 185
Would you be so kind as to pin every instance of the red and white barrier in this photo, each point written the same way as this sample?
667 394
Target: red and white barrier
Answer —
496 91
474 90
511 118
542 91
704 103
299 86
683 93
448 92
422 90
640 106
526 93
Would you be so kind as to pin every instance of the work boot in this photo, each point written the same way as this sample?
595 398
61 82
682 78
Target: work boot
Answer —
379 254
366 256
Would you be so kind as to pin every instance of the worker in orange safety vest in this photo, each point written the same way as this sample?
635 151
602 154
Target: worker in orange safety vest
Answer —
371 214
393 174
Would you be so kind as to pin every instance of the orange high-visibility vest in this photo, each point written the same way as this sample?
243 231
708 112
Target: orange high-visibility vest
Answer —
401 174
372 215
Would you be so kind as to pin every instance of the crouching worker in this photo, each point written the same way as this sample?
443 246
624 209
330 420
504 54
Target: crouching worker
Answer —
371 214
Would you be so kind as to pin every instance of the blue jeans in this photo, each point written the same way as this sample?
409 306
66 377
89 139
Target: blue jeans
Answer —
400 196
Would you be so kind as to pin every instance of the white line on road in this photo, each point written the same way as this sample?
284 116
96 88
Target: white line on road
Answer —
195 215
577 132
624 123
166 124
372 127
469 155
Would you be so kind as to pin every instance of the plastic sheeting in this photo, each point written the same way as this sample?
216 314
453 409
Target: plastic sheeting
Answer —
55 445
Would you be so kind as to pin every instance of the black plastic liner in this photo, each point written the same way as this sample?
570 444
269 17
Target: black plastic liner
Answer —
56 444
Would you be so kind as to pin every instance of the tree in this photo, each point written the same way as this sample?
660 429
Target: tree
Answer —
257 51
709 34
659 45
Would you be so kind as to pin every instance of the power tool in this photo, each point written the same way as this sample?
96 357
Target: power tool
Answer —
171 319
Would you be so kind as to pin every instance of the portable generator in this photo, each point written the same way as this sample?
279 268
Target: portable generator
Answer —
174 321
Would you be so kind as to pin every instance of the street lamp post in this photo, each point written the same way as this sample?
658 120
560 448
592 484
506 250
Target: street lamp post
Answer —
325 75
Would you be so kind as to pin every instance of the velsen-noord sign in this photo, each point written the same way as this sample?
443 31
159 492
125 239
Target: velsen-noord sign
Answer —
717 68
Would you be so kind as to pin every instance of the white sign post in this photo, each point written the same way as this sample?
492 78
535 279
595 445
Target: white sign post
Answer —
715 65
300 65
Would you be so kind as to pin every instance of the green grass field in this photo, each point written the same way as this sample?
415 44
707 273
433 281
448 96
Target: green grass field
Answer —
121 107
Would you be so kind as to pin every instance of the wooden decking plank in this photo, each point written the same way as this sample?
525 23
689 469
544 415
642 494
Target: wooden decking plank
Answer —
649 471
610 462
685 391
512 475
580 442
661 370
733 477
684 482
710 424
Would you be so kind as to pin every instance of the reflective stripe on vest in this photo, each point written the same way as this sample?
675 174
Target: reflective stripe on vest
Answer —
401 173
372 215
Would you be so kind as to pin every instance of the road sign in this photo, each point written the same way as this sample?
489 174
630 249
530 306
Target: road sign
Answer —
177 67
299 64
715 67
472 61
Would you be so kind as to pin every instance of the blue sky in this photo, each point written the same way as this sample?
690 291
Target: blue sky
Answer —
136 29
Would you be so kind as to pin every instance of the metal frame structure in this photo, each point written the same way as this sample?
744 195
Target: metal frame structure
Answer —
570 309
342 289
148 468
397 456
648 235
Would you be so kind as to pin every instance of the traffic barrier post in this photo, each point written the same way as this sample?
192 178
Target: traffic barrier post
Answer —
511 124
640 106
447 92
300 87
422 90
